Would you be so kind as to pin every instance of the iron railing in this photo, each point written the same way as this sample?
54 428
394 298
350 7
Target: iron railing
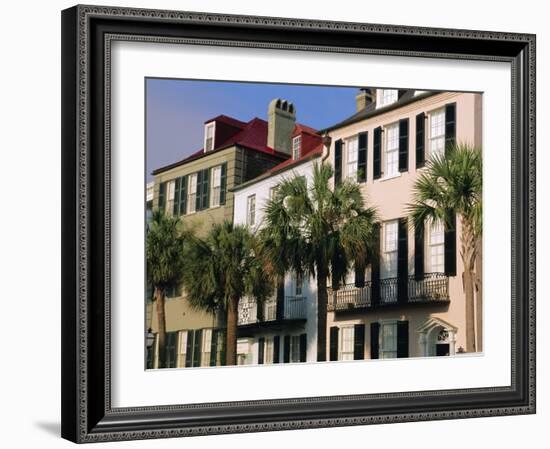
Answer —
294 307
432 288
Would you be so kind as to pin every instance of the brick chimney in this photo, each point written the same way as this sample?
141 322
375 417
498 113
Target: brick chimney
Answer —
281 118
365 97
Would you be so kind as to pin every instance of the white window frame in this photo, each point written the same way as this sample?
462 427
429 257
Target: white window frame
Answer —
384 97
294 349
207 128
386 348
269 346
170 195
436 247
346 343
273 192
436 132
352 157
243 358
389 252
192 193
296 147
391 153
251 210
216 187
206 346
182 349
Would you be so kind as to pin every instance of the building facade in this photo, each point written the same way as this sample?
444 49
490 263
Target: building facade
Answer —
199 190
284 328
410 301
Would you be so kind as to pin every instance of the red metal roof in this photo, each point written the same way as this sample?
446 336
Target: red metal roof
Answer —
251 135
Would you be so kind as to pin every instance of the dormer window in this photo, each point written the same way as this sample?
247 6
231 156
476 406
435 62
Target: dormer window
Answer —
296 147
385 97
209 137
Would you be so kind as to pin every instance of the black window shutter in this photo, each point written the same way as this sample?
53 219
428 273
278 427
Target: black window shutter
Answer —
333 355
183 195
206 188
175 208
338 162
402 261
374 344
402 339
359 342
214 347
223 183
162 196
189 349
377 153
420 140
303 347
198 193
404 145
450 125
362 158
261 347
375 268
197 348
276 344
359 274
419 252
286 349
450 248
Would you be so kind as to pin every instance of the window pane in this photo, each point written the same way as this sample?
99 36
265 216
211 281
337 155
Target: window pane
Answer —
392 150
352 154
437 132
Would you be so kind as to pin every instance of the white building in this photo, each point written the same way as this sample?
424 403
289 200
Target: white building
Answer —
285 331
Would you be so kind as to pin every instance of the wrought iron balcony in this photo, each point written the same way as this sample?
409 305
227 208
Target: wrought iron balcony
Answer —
432 288
249 312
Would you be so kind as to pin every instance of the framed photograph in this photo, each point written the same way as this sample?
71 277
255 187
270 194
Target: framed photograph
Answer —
276 224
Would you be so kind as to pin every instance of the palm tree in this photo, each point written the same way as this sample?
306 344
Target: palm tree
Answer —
319 232
221 269
165 265
451 187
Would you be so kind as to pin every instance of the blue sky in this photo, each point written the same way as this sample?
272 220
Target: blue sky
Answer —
177 109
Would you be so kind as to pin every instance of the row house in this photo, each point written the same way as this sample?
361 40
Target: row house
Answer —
199 190
410 301
283 328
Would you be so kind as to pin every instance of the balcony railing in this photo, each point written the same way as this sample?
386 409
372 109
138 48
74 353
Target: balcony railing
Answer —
432 288
294 307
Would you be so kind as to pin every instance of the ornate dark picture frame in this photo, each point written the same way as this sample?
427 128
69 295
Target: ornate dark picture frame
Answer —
87 414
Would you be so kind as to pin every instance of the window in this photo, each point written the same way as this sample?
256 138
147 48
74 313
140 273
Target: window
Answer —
182 349
268 350
436 247
391 159
389 262
352 146
171 193
298 283
437 132
296 147
385 97
206 347
388 340
172 292
251 210
295 348
216 186
209 137
346 344
272 192
192 195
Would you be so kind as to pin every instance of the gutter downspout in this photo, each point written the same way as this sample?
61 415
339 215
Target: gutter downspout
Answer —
327 141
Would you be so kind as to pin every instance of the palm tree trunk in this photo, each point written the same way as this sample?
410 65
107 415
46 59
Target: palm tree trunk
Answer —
479 294
161 333
231 338
467 253
322 299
